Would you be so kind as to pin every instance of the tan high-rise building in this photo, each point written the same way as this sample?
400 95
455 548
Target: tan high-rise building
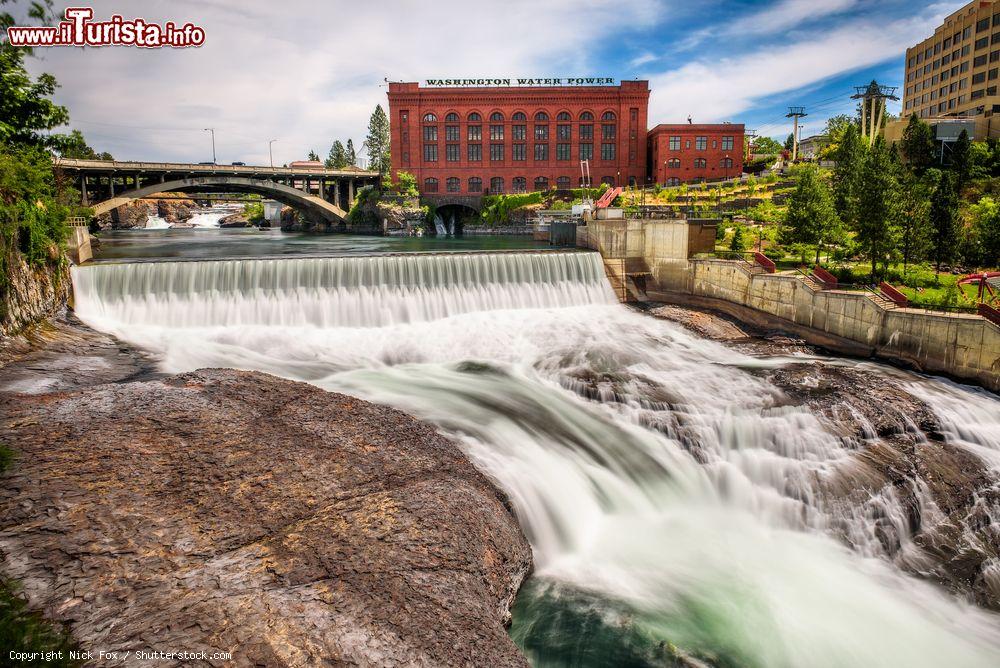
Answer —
956 71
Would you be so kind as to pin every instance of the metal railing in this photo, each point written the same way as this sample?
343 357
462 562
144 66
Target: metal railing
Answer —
124 165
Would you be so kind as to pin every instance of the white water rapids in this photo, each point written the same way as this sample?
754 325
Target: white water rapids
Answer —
727 555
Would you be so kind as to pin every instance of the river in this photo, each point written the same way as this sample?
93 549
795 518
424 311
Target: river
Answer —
677 500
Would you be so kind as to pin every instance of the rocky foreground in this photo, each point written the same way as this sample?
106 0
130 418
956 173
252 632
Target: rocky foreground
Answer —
233 511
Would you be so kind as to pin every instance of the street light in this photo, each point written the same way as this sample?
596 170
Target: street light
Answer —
212 130
270 153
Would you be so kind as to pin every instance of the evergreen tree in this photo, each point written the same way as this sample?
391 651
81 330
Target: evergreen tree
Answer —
350 154
790 142
878 208
739 241
337 159
961 159
377 142
811 218
847 183
918 144
313 156
944 220
914 227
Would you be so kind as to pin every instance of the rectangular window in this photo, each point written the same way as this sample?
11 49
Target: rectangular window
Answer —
541 133
991 91
979 61
996 20
607 151
475 133
586 131
947 43
993 74
978 77
519 132
966 50
967 33
586 151
562 151
976 94
995 39
541 152
701 143
496 152
519 152
451 152
608 131
430 133
564 131
982 43
727 143
675 143
475 152
964 67
982 24
945 59
430 152
995 56
496 132
451 133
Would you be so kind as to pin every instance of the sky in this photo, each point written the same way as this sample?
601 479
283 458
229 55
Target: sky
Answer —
307 73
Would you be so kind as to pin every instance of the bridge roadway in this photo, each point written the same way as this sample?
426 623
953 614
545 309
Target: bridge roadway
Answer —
324 193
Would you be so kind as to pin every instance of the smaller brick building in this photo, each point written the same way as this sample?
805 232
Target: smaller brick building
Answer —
681 153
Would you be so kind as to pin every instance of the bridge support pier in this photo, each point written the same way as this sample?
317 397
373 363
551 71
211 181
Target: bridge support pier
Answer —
84 199
350 193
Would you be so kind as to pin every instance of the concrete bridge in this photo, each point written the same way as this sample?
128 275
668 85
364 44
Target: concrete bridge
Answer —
323 194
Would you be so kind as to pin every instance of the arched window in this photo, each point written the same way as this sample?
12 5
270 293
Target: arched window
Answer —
452 117
674 163
541 116
519 116
583 182
476 184
430 185
453 184
541 183
562 183
586 116
496 116
631 182
430 118
608 116
475 117
520 184
700 163
610 180
673 181
563 116
727 163
496 185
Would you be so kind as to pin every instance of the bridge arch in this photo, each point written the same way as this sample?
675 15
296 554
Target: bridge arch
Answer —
285 194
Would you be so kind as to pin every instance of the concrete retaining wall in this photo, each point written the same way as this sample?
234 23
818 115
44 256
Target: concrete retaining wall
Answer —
964 346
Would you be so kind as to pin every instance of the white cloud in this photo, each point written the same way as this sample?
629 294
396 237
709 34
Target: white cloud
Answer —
778 17
307 73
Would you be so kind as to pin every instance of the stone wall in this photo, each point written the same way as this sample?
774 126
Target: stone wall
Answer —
961 345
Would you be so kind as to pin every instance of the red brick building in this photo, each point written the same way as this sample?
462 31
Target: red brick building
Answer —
683 152
466 141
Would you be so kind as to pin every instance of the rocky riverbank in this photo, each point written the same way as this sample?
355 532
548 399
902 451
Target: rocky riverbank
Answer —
233 511
174 208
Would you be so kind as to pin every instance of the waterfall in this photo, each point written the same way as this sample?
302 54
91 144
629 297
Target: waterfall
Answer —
156 223
671 493
439 225
451 224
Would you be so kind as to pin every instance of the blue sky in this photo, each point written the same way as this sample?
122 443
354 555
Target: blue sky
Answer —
308 72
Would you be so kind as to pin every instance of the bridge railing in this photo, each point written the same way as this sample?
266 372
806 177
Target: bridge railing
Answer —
111 165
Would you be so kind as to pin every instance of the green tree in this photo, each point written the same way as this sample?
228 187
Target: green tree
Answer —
961 159
313 156
917 144
914 227
811 218
337 159
876 221
944 220
847 176
377 142
986 221
350 155
75 146
790 142
739 242
766 146
406 184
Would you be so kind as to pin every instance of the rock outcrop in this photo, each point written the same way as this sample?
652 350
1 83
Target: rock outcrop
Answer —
31 293
134 214
175 209
235 511
235 220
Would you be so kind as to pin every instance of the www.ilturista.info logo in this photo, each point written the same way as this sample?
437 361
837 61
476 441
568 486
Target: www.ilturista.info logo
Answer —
79 30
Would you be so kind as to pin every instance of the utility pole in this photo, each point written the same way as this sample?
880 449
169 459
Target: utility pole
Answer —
796 113
212 130
270 153
873 100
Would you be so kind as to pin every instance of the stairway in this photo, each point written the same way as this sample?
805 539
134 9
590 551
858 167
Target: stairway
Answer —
608 197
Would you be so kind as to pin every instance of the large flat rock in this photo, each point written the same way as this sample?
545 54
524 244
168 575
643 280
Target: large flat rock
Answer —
236 511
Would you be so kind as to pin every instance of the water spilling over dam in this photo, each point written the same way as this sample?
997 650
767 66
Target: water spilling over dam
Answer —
683 498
